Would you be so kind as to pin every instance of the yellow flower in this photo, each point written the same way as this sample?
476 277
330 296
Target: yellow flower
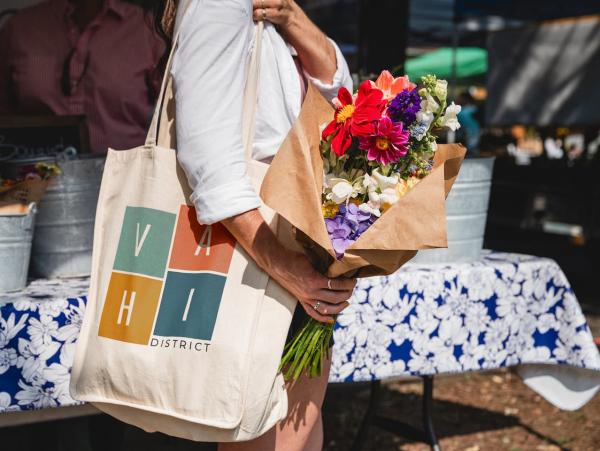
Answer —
412 181
330 210
404 186
385 207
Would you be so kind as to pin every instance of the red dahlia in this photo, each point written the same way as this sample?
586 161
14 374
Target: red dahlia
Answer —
354 118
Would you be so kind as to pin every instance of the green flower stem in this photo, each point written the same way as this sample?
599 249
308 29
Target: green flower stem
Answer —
307 350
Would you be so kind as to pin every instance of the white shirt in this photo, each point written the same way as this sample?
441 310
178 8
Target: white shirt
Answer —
209 72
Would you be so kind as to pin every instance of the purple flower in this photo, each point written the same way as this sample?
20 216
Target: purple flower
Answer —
339 233
354 216
405 106
345 227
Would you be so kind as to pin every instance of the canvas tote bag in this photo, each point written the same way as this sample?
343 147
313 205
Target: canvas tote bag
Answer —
183 332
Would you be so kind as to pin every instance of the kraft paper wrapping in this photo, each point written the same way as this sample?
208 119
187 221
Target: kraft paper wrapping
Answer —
293 186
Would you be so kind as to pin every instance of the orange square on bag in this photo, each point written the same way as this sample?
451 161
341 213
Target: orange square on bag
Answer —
130 308
200 247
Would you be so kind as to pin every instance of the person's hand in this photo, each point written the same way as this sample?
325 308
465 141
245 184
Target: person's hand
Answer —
279 12
322 298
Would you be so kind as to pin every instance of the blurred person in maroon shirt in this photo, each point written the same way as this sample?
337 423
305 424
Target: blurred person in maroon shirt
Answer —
97 58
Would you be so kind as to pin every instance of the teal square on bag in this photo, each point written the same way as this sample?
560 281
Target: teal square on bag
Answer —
189 305
145 241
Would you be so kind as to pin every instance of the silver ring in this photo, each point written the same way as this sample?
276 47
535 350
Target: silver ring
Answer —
317 305
264 14
329 284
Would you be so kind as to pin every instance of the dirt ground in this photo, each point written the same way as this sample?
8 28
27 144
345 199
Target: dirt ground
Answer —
472 412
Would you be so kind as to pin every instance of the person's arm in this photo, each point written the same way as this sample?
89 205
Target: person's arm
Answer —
320 57
209 79
290 269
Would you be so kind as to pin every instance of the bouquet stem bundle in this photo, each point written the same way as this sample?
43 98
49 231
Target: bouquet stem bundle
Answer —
307 350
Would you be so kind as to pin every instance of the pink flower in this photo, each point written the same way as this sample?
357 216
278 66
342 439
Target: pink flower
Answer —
388 144
391 86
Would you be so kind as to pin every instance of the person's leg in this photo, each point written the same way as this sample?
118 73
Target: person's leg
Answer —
302 430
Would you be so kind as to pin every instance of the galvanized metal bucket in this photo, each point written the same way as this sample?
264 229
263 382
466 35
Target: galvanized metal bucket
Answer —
64 230
16 232
466 214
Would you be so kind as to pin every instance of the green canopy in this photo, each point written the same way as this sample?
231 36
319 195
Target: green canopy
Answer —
470 62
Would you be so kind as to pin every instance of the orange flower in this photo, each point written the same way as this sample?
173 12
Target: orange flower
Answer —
391 86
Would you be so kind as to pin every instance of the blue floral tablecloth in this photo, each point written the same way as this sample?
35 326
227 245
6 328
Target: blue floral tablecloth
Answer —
38 330
503 310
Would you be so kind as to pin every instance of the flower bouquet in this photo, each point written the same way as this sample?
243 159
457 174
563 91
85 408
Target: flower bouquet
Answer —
365 189
17 194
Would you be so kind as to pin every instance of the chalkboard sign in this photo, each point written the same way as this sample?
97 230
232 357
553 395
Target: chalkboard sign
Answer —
36 137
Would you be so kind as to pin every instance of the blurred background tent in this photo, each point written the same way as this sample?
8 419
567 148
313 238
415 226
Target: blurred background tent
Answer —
470 62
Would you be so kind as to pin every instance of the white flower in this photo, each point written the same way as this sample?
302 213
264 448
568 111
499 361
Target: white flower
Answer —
380 337
371 208
41 331
9 329
473 352
70 331
494 358
400 333
420 364
340 189
384 182
53 307
432 284
441 89
59 374
450 333
381 190
418 130
425 321
5 403
340 371
546 322
362 374
387 185
512 309
495 334
386 369
8 358
536 354
35 395
425 118
450 119
477 317
429 105
32 359
25 304
478 283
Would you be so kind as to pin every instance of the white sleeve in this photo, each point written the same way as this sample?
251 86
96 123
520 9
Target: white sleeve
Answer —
209 75
341 78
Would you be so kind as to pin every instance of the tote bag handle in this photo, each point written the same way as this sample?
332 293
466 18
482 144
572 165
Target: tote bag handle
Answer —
161 128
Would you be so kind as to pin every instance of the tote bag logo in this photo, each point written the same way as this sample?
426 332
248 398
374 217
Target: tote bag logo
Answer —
167 280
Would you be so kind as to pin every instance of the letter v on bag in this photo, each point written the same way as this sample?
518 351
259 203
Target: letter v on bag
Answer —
145 241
